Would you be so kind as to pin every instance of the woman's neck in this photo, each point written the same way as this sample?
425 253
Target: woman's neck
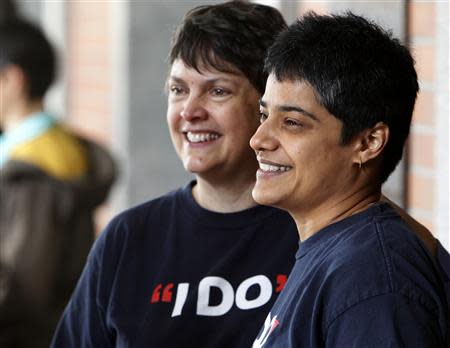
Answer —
312 221
228 197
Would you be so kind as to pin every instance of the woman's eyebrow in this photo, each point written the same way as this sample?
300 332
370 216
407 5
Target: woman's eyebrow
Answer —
291 108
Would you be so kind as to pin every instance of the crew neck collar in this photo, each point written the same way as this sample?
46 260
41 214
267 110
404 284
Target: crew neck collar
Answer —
232 220
330 231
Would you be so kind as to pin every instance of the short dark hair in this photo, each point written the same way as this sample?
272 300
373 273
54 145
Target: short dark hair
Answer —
235 32
24 44
359 72
8 10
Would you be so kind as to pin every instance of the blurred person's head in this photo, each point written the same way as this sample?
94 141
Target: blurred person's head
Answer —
215 81
336 111
27 64
7 10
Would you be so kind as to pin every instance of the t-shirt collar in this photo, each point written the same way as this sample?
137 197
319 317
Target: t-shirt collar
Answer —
31 127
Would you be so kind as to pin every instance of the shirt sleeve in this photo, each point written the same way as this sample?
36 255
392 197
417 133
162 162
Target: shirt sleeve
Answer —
83 323
389 320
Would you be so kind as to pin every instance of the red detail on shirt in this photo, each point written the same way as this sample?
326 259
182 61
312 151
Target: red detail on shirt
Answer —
281 282
274 325
156 294
167 293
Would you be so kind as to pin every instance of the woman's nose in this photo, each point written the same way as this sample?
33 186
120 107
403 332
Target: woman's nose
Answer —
264 138
193 109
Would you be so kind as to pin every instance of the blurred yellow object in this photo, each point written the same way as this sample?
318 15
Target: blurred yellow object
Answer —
56 152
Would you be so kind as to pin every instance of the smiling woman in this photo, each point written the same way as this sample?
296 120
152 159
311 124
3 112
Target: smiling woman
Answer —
333 125
190 269
208 141
299 134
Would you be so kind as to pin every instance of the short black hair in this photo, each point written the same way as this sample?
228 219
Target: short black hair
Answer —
8 10
359 72
24 44
235 32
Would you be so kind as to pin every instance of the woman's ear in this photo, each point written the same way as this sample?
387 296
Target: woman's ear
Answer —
371 143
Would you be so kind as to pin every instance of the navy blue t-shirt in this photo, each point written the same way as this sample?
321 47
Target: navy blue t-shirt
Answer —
169 273
366 281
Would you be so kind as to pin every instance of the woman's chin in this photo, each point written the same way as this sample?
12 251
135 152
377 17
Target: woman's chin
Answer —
263 197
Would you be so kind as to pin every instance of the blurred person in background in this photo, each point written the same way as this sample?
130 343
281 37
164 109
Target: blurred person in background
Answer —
7 10
51 182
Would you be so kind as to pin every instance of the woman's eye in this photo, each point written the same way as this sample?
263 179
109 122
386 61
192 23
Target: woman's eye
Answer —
176 90
219 92
262 117
292 123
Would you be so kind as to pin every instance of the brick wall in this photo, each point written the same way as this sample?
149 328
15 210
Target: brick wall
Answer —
89 74
421 146
89 68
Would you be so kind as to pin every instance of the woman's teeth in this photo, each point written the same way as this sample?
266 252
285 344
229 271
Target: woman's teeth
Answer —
273 168
201 137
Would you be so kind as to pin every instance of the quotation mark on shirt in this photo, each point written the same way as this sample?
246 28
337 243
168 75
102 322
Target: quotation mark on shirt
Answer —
166 293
